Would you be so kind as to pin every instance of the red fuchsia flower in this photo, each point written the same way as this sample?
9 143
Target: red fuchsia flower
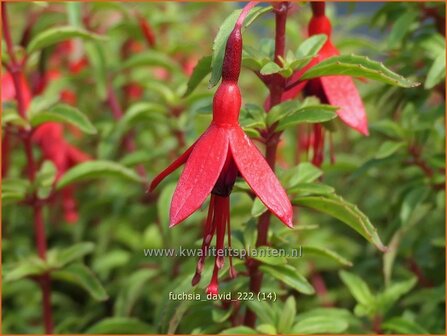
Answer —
335 90
49 137
215 160
147 31
8 94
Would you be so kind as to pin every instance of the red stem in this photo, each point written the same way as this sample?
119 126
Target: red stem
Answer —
276 89
39 226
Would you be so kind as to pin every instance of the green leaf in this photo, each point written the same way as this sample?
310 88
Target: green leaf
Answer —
304 172
258 208
412 199
311 189
436 73
393 293
357 66
120 325
58 258
132 290
270 68
400 28
308 114
11 116
14 189
220 41
64 113
311 46
322 251
290 276
82 276
30 266
346 212
388 148
267 329
287 316
400 325
98 63
200 71
269 256
58 34
221 315
264 311
45 178
150 58
138 112
94 169
282 110
240 330
358 288
320 325
74 13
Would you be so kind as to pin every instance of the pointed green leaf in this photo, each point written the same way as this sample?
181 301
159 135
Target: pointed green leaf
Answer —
358 288
319 325
322 251
64 113
132 290
311 46
241 330
120 325
82 276
400 325
308 114
388 148
200 71
357 66
346 212
58 34
58 258
150 58
290 276
269 256
270 68
436 73
287 316
94 169
28 267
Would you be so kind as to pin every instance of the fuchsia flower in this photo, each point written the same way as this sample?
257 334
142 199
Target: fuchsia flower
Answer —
215 160
335 90
9 94
50 138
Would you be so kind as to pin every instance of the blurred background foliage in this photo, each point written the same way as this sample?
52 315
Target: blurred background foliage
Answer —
395 176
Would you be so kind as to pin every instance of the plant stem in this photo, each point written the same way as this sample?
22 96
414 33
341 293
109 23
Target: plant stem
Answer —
276 89
39 226
129 143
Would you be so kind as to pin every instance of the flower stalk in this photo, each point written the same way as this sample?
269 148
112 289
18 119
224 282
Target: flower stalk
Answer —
16 70
271 140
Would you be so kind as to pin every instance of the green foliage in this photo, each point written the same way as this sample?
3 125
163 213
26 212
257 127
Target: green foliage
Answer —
357 66
59 34
102 280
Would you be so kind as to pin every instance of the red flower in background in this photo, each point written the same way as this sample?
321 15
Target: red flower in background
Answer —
50 138
9 92
214 161
335 90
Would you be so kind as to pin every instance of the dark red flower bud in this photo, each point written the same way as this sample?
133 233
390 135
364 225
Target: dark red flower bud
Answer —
231 67
147 31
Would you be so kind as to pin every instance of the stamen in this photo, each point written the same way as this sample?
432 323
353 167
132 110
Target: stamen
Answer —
227 213
213 287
